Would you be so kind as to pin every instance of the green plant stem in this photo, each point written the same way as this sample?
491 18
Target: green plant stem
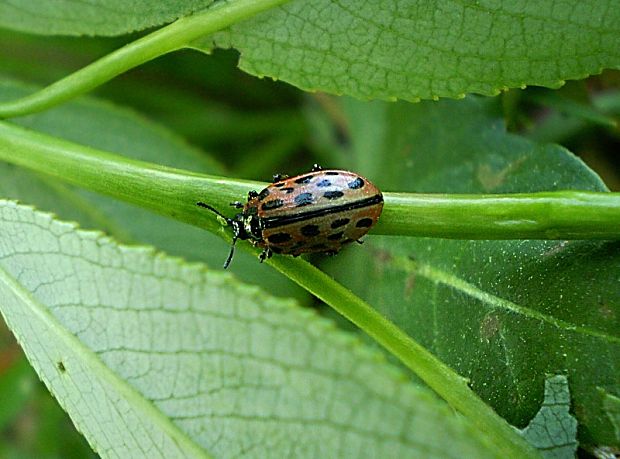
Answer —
168 191
170 38
544 215
174 193
441 378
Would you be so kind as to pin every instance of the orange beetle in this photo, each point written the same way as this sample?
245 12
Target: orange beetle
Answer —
314 212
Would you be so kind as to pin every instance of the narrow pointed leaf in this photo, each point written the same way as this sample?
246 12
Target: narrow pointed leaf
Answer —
154 357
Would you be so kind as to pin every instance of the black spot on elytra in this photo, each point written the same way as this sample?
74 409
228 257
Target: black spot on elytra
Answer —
332 173
304 199
356 184
364 223
288 190
279 185
310 230
333 194
279 238
273 204
335 236
340 222
263 194
303 180
324 183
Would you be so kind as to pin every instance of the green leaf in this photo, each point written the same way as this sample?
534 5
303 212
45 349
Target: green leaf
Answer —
501 313
108 127
553 430
412 49
98 17
150 355
406 49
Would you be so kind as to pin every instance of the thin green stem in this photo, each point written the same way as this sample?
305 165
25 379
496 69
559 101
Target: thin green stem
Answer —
170 38
441 378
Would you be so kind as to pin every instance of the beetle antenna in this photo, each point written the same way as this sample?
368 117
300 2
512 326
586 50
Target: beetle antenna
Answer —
214 210
230 222
231 253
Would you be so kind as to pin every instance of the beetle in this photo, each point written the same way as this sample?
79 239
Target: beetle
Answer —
318 211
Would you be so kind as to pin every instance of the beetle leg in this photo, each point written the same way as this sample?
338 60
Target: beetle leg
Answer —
316 168
266 253
279 177
237 204
359 241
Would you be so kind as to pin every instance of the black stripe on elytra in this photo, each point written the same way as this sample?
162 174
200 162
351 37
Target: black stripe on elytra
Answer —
273 204
356 184
303 199
310 230
303 179
263 194
364 223
340 222
335 236
278 238
333 194
274 222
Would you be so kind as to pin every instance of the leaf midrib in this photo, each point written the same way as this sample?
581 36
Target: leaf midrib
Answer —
496 302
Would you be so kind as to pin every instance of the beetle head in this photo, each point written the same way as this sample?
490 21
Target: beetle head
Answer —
237 224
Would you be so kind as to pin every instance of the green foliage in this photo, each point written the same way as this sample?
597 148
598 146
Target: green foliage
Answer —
408 49
507 297
150 354
146 352
105 17
411 49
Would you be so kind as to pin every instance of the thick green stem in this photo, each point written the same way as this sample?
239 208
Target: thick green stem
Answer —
547 215
544 215
170 38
